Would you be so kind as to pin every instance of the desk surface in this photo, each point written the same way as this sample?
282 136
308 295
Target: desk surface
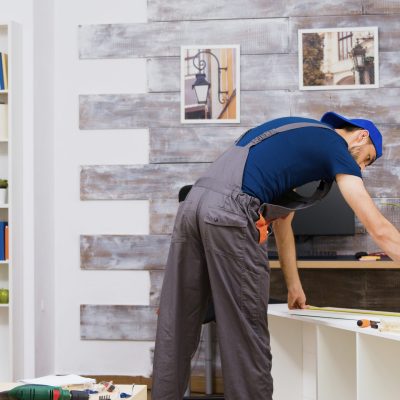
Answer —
339 264
139 391
347 322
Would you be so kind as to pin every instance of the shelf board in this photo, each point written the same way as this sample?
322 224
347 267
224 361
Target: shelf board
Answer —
4 305
337 264
3 91
3 205
4 261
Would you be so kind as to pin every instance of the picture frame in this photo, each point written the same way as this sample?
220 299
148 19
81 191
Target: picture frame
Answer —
338 58
210 84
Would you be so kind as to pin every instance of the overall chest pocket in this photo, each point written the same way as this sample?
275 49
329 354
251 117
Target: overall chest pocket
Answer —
225 232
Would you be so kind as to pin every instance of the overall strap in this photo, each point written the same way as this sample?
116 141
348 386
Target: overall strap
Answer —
284 128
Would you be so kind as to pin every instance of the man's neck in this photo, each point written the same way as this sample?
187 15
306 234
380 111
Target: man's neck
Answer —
345 135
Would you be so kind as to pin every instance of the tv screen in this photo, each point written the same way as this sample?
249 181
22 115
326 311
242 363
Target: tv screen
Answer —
330 216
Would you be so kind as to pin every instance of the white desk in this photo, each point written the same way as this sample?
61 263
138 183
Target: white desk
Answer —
139 391
330 359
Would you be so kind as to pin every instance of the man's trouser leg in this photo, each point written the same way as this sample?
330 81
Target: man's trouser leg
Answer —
182 308
239 277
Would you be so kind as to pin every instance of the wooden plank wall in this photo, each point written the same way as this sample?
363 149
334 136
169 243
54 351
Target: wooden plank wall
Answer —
266 31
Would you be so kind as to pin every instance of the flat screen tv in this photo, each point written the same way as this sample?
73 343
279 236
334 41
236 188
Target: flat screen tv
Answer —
330 216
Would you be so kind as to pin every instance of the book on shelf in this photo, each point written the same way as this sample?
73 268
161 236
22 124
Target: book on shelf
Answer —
3 225
3 71
4 63
6 243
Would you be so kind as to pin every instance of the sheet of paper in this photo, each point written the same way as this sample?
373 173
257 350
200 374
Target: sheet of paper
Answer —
59 380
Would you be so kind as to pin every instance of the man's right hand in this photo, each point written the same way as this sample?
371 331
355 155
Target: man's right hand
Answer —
296 298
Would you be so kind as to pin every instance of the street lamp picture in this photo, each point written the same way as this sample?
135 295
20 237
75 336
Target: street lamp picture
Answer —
210 84
338 58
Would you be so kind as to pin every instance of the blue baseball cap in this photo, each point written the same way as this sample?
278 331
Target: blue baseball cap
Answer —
337 121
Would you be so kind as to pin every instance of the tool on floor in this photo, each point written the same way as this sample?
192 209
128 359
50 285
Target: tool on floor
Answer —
42 392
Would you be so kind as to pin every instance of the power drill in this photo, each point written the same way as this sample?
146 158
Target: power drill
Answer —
42 392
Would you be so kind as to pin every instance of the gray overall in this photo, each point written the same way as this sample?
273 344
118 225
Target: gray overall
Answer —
215 250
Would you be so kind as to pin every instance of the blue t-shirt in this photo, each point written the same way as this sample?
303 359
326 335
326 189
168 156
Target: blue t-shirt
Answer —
290 159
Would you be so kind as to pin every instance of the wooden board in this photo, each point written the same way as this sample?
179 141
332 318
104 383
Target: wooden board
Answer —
378 107
162 215
124 111
123 252
381 7
153 110
137 182
155 39
118 322
159 10
191 144
389 69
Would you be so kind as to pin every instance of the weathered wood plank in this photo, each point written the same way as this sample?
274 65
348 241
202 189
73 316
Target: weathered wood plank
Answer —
163 109
273 72
123 252
126 111
159 10
380 105
381 7
156 281
117 322
137 182
200 144
157 39
383 180
162 215
388 26
389 69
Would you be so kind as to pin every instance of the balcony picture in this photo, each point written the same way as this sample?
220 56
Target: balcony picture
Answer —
339 58
210 84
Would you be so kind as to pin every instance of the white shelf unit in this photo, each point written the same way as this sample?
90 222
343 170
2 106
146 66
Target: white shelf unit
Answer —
327 359
10 169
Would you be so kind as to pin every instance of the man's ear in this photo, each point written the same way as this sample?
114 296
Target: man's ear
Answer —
362 136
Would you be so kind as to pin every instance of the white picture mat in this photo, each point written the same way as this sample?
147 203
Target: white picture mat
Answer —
237 84
373 29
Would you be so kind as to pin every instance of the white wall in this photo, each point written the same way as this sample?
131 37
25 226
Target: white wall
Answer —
73 217
43 36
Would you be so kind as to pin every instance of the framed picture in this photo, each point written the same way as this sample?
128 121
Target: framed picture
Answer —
210 79
338 58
